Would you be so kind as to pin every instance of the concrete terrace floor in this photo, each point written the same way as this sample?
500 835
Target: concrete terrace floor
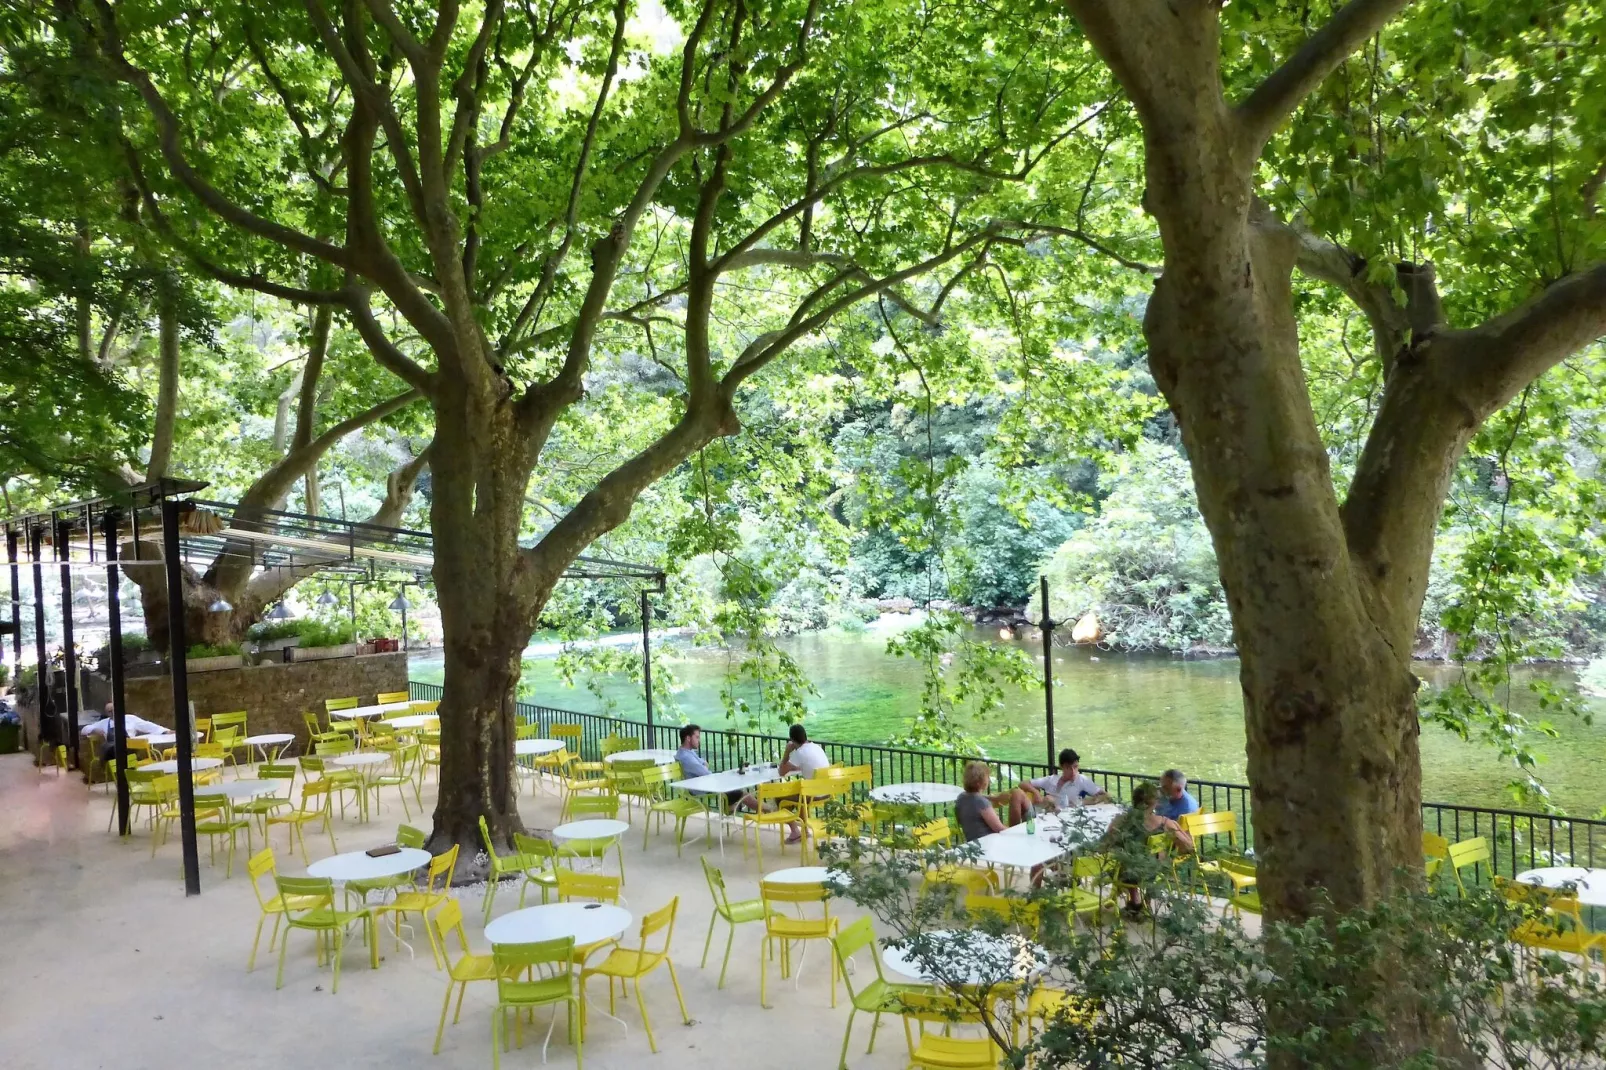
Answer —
104 963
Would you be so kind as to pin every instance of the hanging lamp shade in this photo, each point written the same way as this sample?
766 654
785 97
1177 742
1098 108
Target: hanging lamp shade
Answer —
327 599
400 603
279 612
219 606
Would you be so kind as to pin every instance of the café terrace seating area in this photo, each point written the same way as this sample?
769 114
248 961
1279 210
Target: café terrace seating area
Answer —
637 924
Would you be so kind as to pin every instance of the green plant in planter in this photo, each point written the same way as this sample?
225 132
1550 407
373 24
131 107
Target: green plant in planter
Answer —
315 633
135 643
277 629
204 650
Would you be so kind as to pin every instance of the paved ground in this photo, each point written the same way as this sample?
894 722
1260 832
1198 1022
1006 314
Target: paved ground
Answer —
105 964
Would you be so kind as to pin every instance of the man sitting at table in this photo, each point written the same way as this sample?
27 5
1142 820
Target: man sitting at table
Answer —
133 724
1062 792
801 756
1174 798
692 765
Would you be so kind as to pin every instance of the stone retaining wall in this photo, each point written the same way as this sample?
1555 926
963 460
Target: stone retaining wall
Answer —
274 695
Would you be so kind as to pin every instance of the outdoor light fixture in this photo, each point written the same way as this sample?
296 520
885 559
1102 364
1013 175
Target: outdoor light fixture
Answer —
220 606
279 612
400 604
327 599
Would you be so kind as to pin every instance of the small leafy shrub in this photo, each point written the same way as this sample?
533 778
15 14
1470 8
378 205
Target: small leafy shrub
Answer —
267 630
206 650
316 633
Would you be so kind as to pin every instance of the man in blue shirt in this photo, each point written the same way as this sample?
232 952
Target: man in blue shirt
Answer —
692 765
1174 798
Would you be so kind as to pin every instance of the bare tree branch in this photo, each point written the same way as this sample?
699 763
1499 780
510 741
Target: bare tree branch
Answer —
385 351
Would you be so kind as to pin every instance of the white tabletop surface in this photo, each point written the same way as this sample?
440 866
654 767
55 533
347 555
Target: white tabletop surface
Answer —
241 789
595 829
1074 827
369 711
415 720
924 792
1591 890
359 866
1002 849
171 765
976 958
267 739
158 739
586 922
361 758
806 875
662 757
537 746
730 780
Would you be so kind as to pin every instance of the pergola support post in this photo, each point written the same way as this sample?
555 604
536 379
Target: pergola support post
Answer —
114 614
1047 625
178 665
69 652
47 704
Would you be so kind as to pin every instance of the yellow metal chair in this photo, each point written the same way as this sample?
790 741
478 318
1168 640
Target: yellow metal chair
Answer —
1214 824
783 795
435 894
468 967
331 705
682 806
1243 894
502 865
550 967
153 792
221 821
1094 887
339 780
418 709
263 806
1555 922
385 698
234 724
406 836
626 964
938 833
262 864
739 912
876 996
645 782
315 806
941 1051
203 729
1469 854
786 929
595 887
327 924
404 774
1011 910
599 807
543 870
1435 853
572 734
619 744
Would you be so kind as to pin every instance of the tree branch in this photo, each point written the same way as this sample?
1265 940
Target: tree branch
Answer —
385 352
1271 102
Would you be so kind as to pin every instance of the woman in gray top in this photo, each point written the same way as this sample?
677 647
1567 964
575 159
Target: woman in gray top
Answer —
977 818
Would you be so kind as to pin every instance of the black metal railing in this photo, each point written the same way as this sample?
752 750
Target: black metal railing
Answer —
1518 840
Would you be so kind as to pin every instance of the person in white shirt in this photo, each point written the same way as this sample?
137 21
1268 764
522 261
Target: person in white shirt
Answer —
133 724
1065 791
801 757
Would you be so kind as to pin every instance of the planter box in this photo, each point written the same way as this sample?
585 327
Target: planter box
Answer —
278 644
319 653
227 661
386 646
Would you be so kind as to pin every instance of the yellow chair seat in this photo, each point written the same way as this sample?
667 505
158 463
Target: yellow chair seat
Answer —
416 901
955 1053
1053 1002
279 904
472 967
622 962
800 928
769 817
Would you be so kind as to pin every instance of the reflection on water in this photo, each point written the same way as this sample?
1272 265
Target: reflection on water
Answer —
1132 712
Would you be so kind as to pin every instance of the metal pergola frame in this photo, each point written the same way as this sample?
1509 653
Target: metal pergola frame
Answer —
272 538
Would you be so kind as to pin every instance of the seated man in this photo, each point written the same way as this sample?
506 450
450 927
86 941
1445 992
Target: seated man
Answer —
801 756
1174 798
1062 792
106 728
692 765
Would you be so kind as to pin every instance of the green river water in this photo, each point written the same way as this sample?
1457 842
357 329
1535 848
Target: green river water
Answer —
1138 713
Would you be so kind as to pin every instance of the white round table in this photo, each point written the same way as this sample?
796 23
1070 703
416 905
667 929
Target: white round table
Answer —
240 790
587 923
361 866
660 757
1073 827
526 747
924 793
595 829
358 713
806 875
1591 883
413 720
159 739
171 765
971 957
352 761
267 740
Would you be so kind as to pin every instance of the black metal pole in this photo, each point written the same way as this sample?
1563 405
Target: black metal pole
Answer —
47 704
16 603
114 651
178 665
646 661
1048 671
69 654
